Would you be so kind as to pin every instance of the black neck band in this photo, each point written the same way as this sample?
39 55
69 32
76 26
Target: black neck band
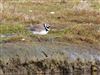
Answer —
45 28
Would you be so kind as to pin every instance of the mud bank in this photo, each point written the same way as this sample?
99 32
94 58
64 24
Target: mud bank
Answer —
43 58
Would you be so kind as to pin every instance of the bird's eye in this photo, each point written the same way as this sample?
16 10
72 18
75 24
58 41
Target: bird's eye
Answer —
47 27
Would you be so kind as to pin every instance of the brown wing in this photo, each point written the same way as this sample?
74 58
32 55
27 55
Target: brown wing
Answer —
37 28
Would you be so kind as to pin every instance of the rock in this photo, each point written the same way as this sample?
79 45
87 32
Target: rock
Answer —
52 12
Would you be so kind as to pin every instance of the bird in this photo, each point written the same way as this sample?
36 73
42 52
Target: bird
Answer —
40 29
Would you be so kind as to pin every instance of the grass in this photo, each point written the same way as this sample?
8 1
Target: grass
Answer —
66 24
12 29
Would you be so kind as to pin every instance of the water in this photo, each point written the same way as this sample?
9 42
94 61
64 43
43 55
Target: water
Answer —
75 73
57 73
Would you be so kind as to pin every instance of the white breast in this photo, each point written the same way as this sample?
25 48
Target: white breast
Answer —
43 32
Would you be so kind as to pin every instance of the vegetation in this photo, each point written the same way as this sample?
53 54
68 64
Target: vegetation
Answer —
70 23
67 24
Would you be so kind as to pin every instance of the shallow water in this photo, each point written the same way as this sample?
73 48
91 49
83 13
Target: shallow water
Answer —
76 73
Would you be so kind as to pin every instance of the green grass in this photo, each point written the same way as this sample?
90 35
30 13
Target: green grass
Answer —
67 24
11 29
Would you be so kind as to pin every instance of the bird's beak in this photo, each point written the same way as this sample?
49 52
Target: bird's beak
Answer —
48 26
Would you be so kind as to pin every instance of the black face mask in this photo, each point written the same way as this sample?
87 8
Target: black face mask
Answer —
46 28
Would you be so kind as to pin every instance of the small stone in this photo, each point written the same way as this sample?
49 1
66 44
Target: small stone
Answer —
30 10
23 39
52 12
